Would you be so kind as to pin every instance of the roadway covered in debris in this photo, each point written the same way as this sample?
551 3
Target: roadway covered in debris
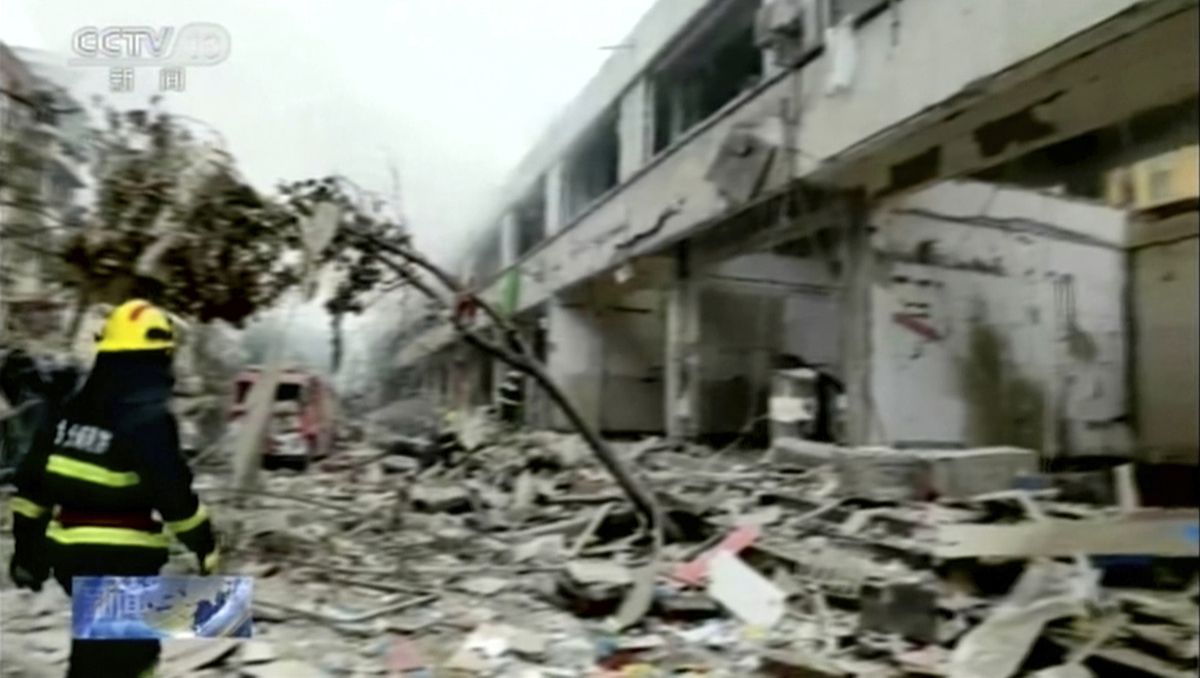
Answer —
521 559
817 338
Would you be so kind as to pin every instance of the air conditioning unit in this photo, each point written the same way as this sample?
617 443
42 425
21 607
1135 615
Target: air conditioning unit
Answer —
1169 178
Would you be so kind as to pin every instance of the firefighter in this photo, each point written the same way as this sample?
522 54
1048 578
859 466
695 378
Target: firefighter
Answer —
20 384
510 397
106 459
447 447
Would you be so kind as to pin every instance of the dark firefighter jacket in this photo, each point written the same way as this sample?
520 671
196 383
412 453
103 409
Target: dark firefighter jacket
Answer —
105 460
511 395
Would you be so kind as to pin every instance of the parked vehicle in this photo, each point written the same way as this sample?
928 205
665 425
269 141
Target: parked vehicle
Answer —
303 420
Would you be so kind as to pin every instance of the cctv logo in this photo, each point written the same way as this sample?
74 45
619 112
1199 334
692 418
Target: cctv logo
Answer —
196 44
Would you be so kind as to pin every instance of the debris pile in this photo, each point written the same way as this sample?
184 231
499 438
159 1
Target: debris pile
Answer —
520 558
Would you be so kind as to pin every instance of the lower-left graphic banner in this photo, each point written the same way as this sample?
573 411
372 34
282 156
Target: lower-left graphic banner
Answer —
160 607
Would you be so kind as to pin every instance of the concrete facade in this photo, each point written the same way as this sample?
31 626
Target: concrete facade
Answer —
1164 262
670 198
608 353
44 136
806 211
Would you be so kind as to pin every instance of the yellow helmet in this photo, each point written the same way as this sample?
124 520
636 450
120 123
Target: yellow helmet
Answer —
136 325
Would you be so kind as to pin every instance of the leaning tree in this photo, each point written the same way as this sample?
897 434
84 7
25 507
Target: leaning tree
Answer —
173 220
371 252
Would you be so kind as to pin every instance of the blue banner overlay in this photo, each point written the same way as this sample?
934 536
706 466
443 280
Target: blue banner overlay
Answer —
126 608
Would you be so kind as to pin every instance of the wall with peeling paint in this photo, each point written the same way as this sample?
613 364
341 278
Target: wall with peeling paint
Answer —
1140 59
923 80
997 317
671 196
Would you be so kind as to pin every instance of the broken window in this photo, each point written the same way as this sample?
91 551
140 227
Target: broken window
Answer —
486 263
1091 165
591 168
717 62
857 10
530 218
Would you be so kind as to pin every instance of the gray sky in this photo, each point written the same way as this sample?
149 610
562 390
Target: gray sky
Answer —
455 91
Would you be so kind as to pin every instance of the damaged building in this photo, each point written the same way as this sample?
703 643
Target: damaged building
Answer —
977 242
937 259
43 128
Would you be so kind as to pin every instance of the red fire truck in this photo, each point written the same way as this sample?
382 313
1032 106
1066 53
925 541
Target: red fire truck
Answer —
303 420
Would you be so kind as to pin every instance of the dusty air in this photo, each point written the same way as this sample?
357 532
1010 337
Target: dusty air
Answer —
600 339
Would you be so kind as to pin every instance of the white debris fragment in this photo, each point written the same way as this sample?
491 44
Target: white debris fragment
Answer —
746 593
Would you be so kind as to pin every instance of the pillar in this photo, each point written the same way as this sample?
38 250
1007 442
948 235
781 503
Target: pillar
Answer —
633 129
508 240
554 199
575 357
858 279
682 351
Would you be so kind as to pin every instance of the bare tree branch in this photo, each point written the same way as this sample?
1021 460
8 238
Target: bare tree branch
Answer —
642 499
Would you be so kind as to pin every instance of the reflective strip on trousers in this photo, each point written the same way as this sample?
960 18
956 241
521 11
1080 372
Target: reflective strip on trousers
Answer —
27 508
90 473
190 523
105 536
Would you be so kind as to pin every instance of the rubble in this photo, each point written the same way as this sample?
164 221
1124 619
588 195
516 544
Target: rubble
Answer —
521 560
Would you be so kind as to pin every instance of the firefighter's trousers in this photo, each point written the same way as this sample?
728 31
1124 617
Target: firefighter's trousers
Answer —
108 658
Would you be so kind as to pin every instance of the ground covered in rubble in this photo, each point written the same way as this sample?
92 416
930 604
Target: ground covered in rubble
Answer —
522 559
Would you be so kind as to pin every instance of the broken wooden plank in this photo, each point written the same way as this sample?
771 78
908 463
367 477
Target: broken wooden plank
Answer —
1154 533
558 527
639 598
1128 656
593 525
599 572
350 619
791 663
